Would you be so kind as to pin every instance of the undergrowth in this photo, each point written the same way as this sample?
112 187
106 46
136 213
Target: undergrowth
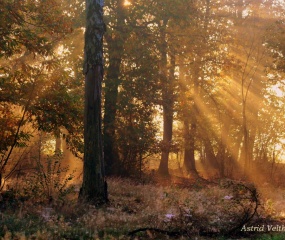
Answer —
137 211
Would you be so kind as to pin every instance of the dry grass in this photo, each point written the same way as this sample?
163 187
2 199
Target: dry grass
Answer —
188 211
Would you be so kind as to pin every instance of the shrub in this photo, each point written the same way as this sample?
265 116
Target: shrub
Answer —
50 182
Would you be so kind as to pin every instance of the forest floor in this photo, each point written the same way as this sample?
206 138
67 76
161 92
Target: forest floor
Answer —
171 209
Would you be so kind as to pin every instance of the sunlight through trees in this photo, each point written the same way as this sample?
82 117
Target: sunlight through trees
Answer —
191 89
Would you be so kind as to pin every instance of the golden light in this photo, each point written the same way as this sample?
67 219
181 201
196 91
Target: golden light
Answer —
277 91
127 3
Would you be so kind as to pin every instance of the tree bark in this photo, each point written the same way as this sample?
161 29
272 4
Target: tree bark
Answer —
189 148
189 125
211 158
111 94
167 104
189 158
94 187
115 50
167 138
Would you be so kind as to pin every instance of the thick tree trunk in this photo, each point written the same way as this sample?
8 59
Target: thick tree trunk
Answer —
94 187
166 142
190 134
111 93
167 104
189 148
211 159
189 122
115 50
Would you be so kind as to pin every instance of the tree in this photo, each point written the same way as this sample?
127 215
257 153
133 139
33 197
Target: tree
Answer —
167 20
94 186
250 57
30 32
115 38
130 89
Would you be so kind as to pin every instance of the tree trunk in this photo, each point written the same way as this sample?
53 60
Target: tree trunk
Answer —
167 137
190 138
245 139
224 144
111 94
189 148
211 158
189 134
115 50
167 104
58 144
94 187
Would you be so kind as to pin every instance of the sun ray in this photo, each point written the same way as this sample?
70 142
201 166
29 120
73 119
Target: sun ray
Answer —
127 3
